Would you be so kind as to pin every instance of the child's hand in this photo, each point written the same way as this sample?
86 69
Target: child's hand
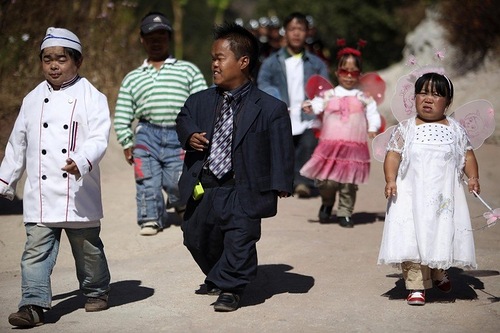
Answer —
473 184
283 194
391 189
129 157
198 141
371 135
307 106
71 168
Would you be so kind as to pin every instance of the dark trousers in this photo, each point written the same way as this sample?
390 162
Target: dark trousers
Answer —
304 144
222 238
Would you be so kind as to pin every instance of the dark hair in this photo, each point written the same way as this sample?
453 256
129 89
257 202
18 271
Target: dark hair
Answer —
298 16
241 42
75 55
437 83
357 60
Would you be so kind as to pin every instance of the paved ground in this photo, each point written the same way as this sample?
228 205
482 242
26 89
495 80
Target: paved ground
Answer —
312 277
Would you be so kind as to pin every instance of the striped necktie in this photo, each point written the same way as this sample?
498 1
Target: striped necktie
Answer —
220 152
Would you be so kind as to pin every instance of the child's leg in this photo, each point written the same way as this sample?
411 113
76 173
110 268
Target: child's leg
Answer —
91 264
37 262
327 190
347 199
417 276
438 274
441 280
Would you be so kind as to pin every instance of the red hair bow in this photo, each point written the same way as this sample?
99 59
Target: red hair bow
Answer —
348 50
340 42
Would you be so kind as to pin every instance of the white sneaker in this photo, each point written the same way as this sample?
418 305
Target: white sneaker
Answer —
149 229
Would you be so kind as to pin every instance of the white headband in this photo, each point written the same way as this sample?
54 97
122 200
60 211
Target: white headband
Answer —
61 37
449 83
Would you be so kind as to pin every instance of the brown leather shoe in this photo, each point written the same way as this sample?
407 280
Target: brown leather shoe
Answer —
95 304
27 316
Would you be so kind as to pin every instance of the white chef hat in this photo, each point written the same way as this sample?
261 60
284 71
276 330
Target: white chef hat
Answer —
61 37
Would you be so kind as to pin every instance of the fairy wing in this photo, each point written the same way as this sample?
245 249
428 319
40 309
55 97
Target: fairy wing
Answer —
478 119
373 86
379 144
317 85
403 101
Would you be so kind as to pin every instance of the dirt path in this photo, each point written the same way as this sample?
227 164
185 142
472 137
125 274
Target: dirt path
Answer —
312 277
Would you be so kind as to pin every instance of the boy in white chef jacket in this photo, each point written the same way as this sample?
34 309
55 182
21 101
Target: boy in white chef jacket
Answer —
59 138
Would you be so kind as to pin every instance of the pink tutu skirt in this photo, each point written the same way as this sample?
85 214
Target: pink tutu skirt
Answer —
341 161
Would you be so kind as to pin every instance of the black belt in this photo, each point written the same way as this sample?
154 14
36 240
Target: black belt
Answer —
209 180
144 121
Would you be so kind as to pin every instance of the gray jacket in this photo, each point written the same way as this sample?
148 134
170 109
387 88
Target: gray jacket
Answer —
272 74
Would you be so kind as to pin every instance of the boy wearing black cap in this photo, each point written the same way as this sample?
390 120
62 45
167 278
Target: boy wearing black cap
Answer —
153 94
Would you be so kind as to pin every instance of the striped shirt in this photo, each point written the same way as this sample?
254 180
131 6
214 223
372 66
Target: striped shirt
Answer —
155 96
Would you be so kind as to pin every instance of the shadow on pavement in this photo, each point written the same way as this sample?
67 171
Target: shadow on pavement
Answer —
122 292
14 207
272 280
464 284
357 218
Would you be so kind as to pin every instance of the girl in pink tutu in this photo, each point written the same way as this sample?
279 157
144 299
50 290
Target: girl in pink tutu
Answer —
341 159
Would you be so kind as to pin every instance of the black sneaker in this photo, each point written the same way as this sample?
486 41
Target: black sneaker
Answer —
325 213
346 222
27 316
227 302
212 289
180 210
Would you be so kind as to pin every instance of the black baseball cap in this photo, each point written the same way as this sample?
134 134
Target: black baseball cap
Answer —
153 22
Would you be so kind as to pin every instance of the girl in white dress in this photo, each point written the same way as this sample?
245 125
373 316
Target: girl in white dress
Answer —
427 227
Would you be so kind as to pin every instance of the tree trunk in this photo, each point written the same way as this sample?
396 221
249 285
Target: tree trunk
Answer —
177 6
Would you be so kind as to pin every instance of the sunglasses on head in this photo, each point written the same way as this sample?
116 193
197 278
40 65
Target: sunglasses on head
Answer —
344 72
